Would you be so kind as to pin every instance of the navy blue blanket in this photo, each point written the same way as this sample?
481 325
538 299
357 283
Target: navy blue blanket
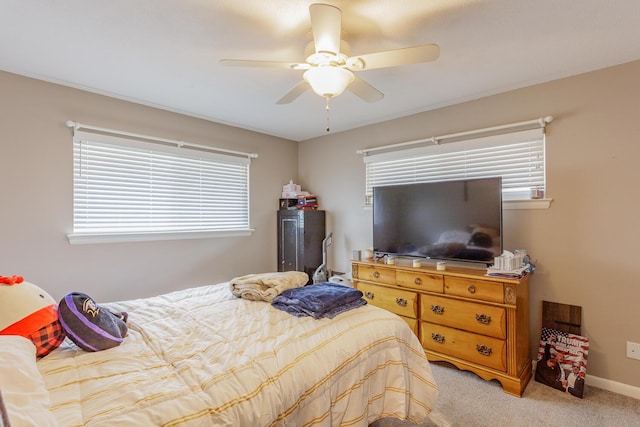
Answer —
319 300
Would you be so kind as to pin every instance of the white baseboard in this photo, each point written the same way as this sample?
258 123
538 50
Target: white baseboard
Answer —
605 384
613 386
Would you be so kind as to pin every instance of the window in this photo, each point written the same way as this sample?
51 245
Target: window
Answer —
130 189
518 157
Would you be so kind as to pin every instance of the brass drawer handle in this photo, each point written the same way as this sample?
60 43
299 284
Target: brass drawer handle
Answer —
437 338
418 281
376 274
484 350
471 289
368 295
437 309
401 302
483 318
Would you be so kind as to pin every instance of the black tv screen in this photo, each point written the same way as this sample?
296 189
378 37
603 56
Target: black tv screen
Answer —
449 220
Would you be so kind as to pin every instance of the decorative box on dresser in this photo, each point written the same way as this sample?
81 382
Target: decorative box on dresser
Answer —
461 316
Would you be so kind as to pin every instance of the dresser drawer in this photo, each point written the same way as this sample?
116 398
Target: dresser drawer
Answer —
477 289
377 274
479 349
420 281
474 317
413 324
398 301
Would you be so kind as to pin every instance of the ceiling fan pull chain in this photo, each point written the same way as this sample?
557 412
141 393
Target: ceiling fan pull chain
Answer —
328 119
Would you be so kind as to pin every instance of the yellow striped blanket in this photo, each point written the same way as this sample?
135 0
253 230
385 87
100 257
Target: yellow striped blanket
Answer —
202 357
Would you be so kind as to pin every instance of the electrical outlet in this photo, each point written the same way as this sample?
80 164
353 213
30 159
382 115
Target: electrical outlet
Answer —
633 350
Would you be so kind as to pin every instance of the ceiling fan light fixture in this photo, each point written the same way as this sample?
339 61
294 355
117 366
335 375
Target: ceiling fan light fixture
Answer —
328 81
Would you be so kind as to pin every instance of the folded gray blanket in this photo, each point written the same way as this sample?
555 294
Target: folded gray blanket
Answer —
319 300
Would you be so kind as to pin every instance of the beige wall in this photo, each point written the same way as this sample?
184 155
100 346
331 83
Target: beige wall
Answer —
586 243
37 189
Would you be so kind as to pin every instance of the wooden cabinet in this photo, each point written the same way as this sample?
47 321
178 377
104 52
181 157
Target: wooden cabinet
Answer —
300 235
461 316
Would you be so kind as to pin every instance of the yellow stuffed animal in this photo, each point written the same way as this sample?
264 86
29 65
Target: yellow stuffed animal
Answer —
29 311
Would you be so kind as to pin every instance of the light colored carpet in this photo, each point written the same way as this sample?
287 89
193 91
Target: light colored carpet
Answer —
469 401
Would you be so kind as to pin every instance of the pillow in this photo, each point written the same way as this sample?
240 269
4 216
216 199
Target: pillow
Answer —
26 399
29 311
90 326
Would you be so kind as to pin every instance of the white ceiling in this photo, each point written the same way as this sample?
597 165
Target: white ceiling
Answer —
165 53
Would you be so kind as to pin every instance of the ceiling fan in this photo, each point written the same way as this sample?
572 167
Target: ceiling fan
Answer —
329 67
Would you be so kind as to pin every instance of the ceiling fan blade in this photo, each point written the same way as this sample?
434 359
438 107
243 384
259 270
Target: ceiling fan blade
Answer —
364 90
396 57
325 24
294 93
263 64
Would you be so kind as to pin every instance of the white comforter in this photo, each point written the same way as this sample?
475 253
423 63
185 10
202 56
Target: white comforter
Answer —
202 357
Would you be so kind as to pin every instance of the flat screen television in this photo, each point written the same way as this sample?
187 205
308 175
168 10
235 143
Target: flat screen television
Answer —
448 220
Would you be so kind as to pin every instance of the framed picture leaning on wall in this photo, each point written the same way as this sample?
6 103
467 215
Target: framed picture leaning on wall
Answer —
562 361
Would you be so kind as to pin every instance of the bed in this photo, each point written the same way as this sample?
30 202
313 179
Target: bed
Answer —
203 357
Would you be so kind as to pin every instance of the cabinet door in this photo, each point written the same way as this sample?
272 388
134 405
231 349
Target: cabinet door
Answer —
312 232
288 244
300 235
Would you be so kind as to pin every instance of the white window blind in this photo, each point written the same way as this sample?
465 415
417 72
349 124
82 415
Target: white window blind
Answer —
518 157
125 186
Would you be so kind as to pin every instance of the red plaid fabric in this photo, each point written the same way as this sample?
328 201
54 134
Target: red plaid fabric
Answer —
47 338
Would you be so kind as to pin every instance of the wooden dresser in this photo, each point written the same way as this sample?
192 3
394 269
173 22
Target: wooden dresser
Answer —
461 316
